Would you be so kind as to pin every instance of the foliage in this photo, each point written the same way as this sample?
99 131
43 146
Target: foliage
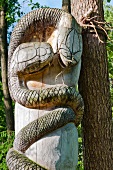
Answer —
13 11
35 5
109 19
6 141
13 14
80 150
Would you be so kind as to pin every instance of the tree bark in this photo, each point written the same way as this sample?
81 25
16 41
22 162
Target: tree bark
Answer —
4 56
94 88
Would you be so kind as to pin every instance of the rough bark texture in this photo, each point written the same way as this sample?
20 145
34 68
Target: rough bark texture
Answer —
4 56
94 87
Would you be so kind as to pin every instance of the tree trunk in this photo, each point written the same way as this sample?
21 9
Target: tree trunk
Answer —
4 56
94 87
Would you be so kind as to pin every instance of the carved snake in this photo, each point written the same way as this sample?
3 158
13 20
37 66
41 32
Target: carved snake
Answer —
66 102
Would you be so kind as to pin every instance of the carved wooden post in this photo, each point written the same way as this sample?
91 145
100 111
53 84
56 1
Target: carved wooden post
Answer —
44 66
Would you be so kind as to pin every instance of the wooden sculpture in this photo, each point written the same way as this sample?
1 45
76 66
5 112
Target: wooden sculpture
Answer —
44 66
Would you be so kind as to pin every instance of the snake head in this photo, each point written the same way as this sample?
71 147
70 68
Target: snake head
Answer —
69 46
69 41
31 57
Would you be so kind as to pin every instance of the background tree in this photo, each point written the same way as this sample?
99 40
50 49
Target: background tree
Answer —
4 57
94 87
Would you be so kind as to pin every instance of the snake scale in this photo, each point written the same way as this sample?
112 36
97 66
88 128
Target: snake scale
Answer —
65 102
